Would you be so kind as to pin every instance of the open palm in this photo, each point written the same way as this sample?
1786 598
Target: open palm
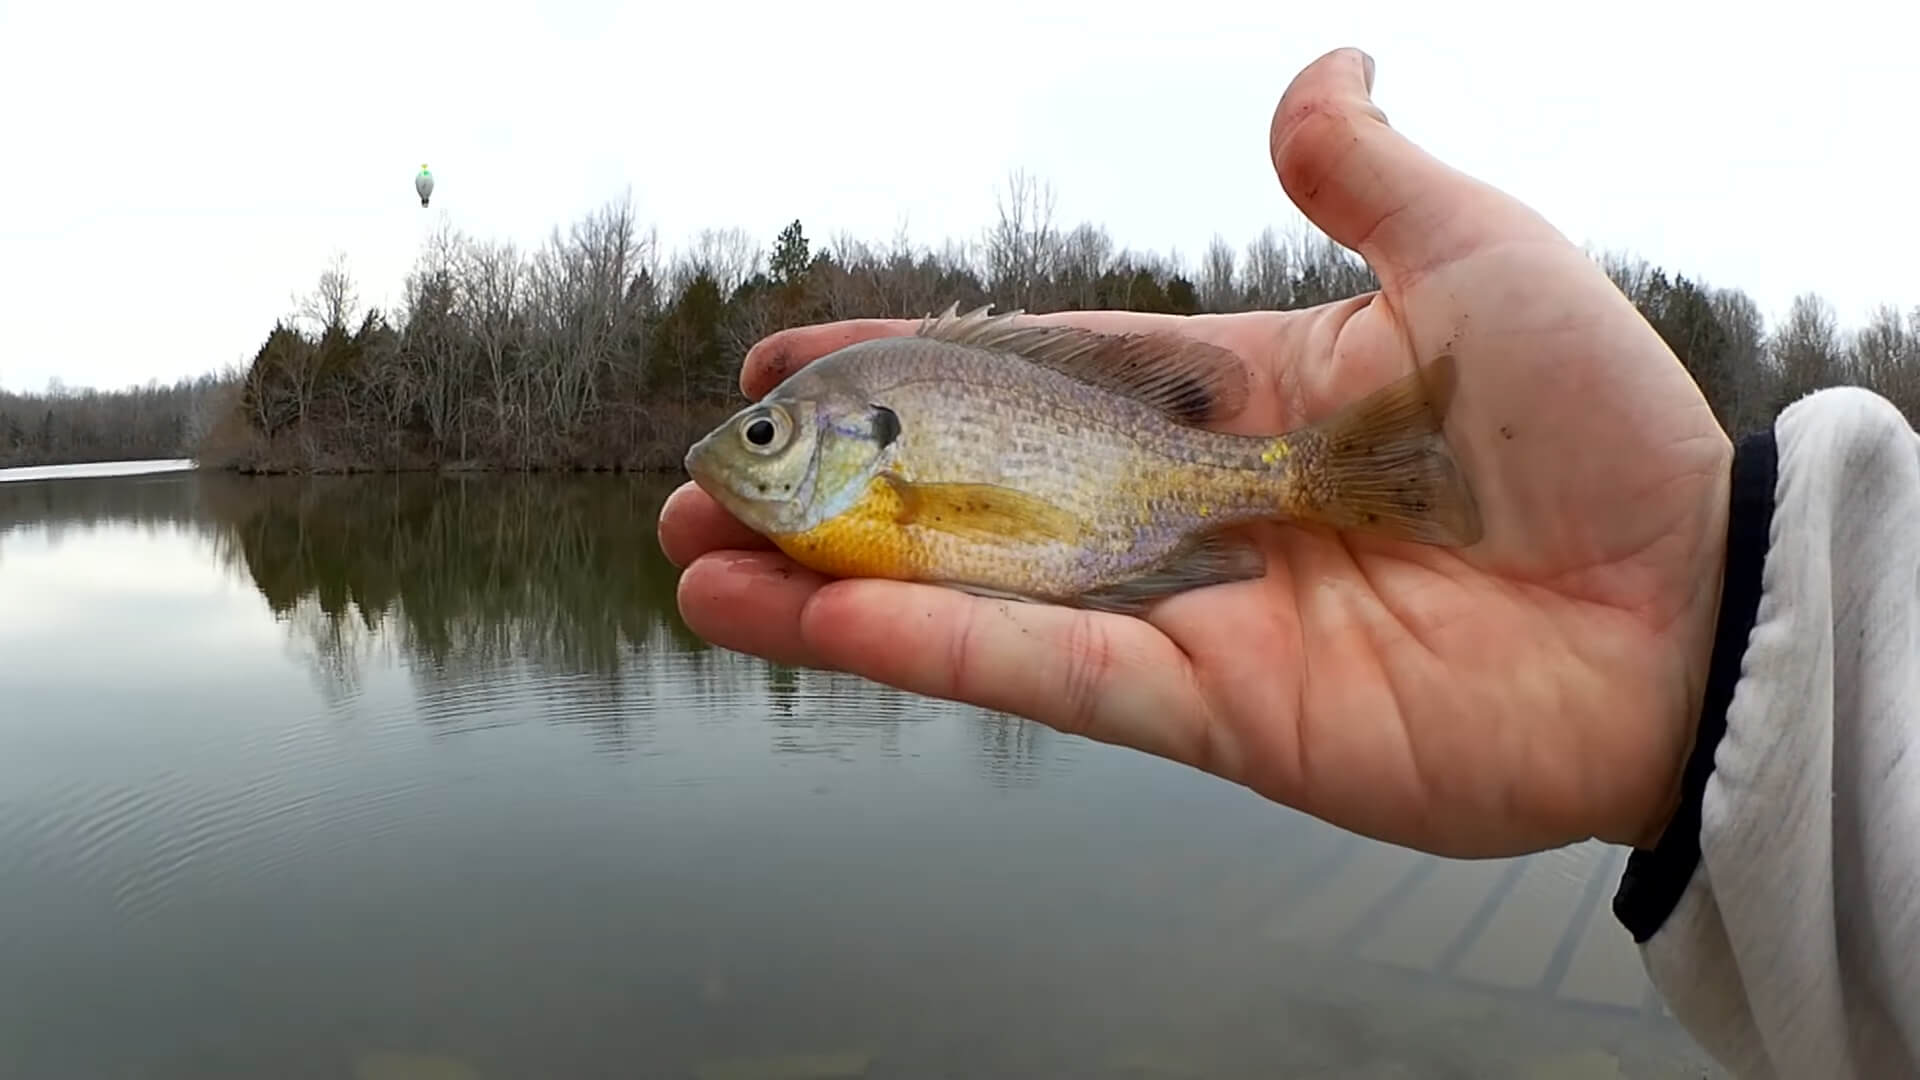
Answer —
1532 690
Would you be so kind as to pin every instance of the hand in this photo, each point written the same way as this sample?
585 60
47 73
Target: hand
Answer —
1534 690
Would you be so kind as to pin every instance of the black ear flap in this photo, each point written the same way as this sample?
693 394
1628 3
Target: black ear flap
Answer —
886 425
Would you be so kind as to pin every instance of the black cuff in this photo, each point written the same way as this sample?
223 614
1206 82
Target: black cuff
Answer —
1654 880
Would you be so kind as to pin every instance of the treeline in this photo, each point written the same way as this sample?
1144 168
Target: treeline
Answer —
1748 371
596 350
599 351
63 427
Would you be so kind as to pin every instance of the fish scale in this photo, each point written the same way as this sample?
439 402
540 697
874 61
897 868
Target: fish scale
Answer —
1139 483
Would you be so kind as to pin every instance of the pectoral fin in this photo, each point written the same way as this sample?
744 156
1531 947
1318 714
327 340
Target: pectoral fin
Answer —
985 512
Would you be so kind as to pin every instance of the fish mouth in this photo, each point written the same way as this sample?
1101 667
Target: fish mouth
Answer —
713 477
699 458
700 469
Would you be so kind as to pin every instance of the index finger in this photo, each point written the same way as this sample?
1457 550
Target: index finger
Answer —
784 352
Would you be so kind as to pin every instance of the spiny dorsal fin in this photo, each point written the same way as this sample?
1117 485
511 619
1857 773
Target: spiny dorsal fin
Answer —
1190 381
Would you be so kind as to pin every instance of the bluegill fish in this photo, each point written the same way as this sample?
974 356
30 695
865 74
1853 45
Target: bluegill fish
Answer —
1060 465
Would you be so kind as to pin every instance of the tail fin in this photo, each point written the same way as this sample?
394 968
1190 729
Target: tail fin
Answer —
1388 470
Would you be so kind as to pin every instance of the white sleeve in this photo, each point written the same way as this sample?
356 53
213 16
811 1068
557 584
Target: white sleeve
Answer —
1780 915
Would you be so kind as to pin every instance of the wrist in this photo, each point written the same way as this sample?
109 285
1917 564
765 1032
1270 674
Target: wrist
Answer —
1668 850
1696 637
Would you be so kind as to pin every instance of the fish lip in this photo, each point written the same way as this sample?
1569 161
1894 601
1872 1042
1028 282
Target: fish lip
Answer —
704 477
695 456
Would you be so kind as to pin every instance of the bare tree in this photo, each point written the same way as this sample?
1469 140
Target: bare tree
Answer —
1886 357
729 256
433 353
1021 244
492 305
1219 290
1746 349
1806 353
334 302
1268 276
1086 256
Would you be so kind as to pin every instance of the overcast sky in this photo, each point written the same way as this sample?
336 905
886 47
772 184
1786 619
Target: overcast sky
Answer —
171 174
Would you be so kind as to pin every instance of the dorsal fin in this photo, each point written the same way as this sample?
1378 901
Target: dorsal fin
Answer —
1189 381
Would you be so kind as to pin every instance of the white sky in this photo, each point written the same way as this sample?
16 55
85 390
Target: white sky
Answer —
171 174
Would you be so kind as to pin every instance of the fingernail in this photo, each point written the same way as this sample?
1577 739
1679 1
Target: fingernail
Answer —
1366 65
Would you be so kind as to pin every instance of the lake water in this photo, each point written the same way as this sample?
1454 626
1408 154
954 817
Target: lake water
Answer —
420 777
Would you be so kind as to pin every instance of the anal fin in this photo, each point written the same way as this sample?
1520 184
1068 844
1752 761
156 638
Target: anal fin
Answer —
987 592
1214 559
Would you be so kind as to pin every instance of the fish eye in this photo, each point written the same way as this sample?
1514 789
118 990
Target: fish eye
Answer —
766 432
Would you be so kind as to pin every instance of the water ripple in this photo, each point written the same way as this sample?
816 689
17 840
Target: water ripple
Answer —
142 843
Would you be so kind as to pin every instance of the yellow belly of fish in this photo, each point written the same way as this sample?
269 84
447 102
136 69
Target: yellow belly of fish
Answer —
866 540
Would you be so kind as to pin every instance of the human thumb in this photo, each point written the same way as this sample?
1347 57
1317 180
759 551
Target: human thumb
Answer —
1369 187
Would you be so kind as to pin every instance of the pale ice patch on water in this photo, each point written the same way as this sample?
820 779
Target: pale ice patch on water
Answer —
96 469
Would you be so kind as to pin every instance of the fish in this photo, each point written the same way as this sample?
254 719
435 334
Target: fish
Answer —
1061 465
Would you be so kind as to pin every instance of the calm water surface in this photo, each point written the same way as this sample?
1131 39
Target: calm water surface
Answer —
423 777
